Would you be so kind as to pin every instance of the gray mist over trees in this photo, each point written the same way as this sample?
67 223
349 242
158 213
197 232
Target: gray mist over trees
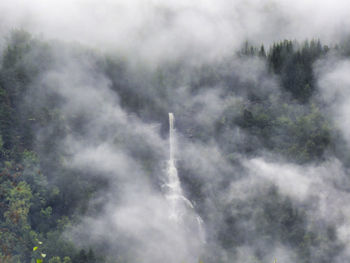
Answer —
262 149
159 30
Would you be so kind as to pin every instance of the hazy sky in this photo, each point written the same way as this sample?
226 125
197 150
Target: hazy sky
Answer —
168 28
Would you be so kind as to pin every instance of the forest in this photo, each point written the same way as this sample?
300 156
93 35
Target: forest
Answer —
262 153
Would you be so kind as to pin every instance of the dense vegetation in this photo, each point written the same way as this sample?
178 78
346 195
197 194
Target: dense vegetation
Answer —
41 197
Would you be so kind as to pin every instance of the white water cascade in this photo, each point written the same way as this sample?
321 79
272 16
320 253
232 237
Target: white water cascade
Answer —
181 209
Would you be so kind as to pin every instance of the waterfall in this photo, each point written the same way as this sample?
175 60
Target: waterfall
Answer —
181 208
174 192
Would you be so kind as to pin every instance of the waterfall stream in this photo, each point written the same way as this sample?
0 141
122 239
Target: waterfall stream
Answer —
180 207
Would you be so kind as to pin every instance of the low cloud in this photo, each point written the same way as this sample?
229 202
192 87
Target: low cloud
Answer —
157 30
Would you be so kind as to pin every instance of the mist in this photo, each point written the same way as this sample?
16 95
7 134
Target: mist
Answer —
105 74
157 30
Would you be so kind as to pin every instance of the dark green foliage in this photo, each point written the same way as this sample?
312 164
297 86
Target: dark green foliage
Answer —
280 54
84 257
29 205
40 197
293 63
277 221
300 134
